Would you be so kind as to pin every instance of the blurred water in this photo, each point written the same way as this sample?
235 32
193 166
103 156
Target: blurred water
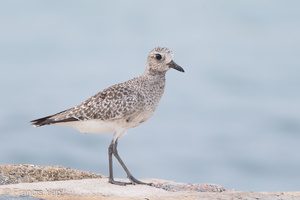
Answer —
231 119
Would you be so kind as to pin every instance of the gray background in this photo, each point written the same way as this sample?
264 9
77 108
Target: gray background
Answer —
231 119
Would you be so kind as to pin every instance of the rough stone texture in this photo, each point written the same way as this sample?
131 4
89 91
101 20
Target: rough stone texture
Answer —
95 186
12 174
172 186
92 189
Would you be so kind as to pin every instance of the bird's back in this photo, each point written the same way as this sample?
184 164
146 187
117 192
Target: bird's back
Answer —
124 105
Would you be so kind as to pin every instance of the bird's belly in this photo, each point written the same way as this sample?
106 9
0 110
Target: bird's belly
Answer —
137 120
93 126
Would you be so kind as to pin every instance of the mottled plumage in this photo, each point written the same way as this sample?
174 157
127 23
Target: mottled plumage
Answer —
121 106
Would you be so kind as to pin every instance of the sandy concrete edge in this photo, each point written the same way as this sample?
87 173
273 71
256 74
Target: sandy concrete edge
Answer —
90 189
58 182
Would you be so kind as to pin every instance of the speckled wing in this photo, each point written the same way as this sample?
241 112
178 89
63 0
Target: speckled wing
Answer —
112 103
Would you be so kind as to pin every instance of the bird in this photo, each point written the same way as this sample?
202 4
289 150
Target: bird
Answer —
120 107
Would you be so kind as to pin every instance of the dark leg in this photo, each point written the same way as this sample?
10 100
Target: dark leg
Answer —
111 176
113 150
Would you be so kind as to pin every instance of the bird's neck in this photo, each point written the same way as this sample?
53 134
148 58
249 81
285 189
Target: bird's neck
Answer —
155 83
154 73
155 76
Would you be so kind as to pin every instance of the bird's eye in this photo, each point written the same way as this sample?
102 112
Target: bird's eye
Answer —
158 56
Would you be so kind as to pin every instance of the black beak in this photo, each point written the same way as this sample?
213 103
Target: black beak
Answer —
173 65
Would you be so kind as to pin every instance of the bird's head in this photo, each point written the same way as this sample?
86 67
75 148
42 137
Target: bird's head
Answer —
160 60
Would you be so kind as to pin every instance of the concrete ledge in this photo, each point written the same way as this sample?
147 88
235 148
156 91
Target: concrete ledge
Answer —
99 188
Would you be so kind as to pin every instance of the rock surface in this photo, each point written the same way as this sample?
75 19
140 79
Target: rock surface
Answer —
12 174
64 183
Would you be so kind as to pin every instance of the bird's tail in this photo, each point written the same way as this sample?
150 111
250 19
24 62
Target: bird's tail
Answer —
42 121
52 119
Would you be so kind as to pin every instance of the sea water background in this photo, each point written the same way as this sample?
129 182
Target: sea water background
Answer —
231 119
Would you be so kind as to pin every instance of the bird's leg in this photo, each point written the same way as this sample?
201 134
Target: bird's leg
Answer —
113 150
110 160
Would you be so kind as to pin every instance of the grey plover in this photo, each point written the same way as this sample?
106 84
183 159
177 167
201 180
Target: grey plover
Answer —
120 107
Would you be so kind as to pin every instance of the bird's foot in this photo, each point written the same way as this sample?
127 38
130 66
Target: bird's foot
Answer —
112 181
135 181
